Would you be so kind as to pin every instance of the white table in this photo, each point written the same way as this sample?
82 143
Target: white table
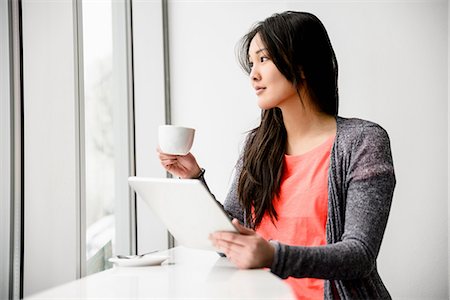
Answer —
187 273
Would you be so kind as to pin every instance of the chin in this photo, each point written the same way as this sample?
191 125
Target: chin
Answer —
265 104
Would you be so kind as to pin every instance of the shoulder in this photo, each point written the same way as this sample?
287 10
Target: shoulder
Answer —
354 131
364 149
349 126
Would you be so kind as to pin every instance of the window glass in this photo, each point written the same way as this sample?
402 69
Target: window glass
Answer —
105 135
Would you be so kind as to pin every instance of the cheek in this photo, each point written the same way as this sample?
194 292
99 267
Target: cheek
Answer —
272 97
286 89
279 90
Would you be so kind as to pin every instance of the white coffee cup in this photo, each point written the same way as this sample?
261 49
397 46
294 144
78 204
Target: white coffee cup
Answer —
176 140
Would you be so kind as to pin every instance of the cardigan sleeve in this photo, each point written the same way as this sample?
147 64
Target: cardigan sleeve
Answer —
368 185
231 203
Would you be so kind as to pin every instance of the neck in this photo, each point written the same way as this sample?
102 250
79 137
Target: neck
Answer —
306 127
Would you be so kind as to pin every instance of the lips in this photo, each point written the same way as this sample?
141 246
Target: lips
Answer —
259 89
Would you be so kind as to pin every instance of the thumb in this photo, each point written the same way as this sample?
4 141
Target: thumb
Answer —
242 229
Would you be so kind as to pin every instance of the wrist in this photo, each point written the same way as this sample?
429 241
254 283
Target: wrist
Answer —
272 254
199 174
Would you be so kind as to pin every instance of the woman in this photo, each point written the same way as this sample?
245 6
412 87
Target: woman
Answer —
312 190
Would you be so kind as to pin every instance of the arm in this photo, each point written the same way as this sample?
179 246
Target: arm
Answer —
231 204
368 190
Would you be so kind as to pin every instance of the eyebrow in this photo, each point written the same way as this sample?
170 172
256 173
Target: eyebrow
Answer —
258 51
261 50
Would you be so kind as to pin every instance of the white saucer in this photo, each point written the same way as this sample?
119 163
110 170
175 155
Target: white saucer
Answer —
147 260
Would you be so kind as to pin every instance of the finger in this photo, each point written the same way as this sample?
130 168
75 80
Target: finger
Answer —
168 165
168 161
230 237
163 156
229 248
236 256
160 152
242 229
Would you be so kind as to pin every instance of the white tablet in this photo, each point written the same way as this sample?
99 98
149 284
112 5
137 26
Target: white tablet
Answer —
186 207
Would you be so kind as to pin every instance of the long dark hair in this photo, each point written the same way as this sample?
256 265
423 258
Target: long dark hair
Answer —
297 43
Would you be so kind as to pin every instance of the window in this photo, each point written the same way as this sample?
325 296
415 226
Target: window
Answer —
105 130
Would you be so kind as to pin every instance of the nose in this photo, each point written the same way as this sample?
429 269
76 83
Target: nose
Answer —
254 74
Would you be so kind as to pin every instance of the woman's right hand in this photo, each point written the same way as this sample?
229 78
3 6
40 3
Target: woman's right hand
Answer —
183 166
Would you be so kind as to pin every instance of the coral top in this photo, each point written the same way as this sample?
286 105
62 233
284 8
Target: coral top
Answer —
302 210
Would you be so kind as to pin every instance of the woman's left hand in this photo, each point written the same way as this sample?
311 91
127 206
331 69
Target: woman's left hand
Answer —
246 249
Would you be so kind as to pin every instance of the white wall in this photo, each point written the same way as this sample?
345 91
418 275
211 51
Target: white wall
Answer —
393 70
50 247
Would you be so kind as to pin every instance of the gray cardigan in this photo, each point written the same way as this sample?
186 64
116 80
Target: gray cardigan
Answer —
361 183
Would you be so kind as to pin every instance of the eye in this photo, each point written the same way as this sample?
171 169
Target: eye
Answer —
250 64
263 58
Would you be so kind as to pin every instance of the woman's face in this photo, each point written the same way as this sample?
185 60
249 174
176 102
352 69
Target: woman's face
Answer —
272 88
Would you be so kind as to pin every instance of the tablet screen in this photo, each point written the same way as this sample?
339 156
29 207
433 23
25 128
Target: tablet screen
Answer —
186 208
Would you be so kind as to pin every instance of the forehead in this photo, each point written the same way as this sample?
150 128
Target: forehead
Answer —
256 45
